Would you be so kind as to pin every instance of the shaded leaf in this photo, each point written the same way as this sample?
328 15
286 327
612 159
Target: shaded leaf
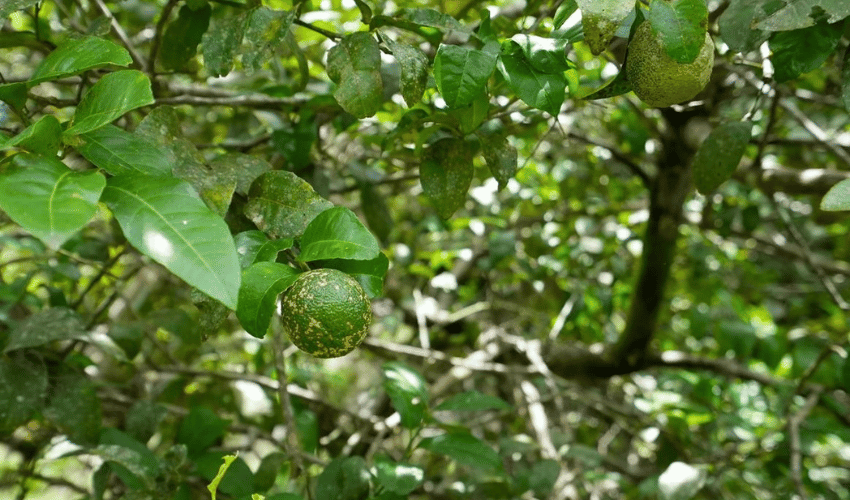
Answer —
74 408
796 14
446 173
376 211
461 73
545 55
295 141
337 233
407 391
618 86
264 31
182 36
254 246
414 69
539 90
465 449
165 219
473 401
262 283
354 65
681 24
234 479
501 159
47 198
369 273
400 478
845 79
201 428
345 478
143 418
14 94
221 42
736 25
837 198
120 152
77 55
600 20
719 155
109 98
55 323
282 204
23 387
800 51
43 136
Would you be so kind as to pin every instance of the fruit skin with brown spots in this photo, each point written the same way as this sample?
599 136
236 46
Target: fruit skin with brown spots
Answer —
657 79
326 313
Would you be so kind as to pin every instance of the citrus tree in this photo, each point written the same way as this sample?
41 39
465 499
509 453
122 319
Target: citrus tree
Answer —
357 249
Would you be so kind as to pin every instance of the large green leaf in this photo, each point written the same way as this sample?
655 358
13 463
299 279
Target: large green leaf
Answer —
337 233
120 152
77 55
55 323
837 198
800 51
400 478
238 480
718 156
43 137
369 273
354 65
465 449
282 204
221 42
166 220
545 55
539 90
48 199
446 173
796 14
74 408
681 24
600 20
461 73
408 392
182 36
414 69
261 285
736 25
23 386
265 30
109 98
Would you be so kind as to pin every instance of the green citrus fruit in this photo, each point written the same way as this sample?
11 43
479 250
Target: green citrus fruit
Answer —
657 79
326 313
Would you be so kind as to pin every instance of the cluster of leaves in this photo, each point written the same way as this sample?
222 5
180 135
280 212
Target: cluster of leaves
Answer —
217 155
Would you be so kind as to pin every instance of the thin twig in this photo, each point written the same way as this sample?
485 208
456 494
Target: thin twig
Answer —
292 441
794 422
157 37
137 58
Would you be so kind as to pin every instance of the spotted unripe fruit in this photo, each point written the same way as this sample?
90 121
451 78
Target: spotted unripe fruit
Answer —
326 313
657 79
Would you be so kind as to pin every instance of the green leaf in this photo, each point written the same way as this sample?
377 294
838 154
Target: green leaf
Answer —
74 408
221 43
430 18
461 73
369 273
268 470
143 418
23 387
800 51
122 449
796 14
845 80
9 6
376 212
120 152
543 91
295 141
618 86
43 137
446 173
472 116
354 65
109 98
837 198
600 20
337 233
242 167
719 155
232 477
414 69
75 56
254 246
201 428
165 219
282 204
14 94
543 476
182 36
345 478
681 24
736 25
48 199
264 31
56 323
465 449
501 159
545 55
407 391
262 283
473 401
400 478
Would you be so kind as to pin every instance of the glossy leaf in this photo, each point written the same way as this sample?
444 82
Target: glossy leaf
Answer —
465 449
120 152
165 219
796 14
221 42
282 204
539 90
43 137
109 98
47 198
837 198
254 246
501 158
182 36
461 73
55 323
600 20
337 233
354 65
681 24
400 478
23 387
800 51
719 155
369 273
473 401
414 70
74 408
407 391
446 173
262 283
78 55
431 18
544 55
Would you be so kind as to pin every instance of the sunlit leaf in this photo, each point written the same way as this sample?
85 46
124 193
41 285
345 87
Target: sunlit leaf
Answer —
400 478
681 24
539 90
337 233
600 19
120 152
109 98
43 137
407 391
465 449
837 198
461 73
77 55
